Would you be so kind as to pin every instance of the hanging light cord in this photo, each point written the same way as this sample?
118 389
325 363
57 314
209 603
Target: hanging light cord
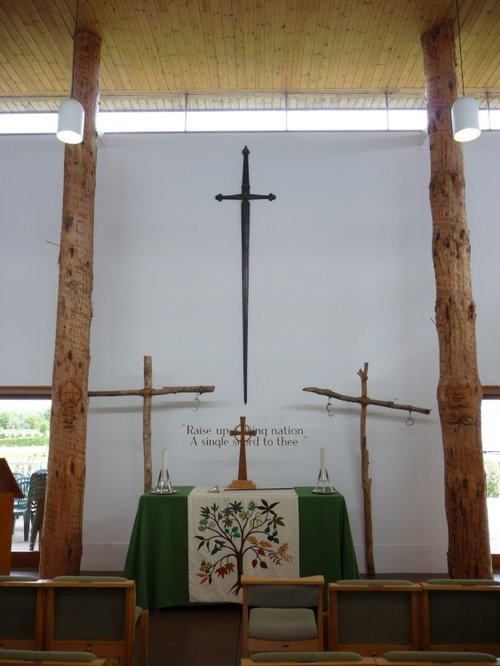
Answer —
74 49
460 48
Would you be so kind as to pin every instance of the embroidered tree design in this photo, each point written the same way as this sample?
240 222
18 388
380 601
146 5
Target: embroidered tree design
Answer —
232 531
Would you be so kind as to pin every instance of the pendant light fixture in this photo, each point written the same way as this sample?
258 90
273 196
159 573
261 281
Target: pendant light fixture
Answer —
465 110
71 114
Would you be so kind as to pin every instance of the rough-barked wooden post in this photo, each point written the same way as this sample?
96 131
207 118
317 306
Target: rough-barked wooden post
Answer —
63 517
459 391
147 405
366 482
147 394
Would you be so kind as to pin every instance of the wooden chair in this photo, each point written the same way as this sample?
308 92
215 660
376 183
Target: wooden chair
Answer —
33 516
96 614
372 617
461 615
46 658
21 612
21 503
282 614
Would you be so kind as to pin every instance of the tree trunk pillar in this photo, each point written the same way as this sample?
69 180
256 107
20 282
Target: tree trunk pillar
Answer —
61 549
459 391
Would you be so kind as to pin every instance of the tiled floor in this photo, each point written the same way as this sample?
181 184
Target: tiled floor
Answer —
18 542
195 636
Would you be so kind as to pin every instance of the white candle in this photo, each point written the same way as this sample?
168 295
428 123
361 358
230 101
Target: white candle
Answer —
322 459
164 463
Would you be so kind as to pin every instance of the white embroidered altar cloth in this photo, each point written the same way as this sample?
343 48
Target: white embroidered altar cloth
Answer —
255 532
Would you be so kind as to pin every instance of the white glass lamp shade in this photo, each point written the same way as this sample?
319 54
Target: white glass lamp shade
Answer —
70 121
465 119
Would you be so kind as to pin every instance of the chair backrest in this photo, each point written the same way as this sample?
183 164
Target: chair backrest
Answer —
21 503
91 614
372 617
283 596
21 613
37 486
282 592
461 615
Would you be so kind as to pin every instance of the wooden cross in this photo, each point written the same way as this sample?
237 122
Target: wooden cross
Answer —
147 393
243 433
366 482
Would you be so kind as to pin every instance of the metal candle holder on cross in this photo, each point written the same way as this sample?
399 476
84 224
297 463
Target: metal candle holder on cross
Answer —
164 485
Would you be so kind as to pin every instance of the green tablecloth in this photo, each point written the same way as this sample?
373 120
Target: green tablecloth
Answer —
157 557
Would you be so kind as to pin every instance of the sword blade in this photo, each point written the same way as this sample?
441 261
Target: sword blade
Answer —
245 261
245 276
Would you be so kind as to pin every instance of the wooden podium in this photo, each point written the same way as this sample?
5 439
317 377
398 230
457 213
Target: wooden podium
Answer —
8 490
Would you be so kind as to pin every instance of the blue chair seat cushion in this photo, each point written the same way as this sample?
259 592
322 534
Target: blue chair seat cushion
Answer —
89 579
438 657
282 624
22 579
462 581
46 655
305 657
378 581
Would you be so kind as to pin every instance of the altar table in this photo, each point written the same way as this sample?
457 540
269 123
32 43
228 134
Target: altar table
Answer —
157 557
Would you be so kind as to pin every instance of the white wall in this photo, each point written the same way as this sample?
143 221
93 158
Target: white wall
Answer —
340 273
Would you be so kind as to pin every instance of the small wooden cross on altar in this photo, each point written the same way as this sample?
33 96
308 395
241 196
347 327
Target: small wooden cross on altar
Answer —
366 482
243 433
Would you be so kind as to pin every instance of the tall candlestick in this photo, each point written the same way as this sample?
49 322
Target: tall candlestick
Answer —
323 484
164 464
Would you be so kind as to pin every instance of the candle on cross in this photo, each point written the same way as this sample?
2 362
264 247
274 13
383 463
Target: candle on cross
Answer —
322 464
164 467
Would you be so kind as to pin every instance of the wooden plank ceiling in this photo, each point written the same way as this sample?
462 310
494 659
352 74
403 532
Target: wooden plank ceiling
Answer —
164 54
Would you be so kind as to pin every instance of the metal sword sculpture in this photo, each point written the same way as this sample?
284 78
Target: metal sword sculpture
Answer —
245 197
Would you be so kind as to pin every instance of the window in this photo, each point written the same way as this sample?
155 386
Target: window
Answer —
277 120
490 429
24 443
